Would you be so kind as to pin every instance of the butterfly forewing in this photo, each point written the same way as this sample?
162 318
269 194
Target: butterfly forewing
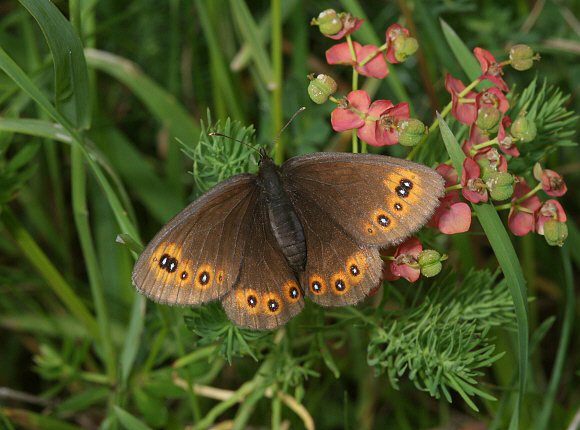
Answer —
267 293
196 257
377 200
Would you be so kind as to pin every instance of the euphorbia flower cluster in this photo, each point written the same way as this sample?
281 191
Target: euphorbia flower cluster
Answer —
380 122
529 214
376 123
484 172
494 138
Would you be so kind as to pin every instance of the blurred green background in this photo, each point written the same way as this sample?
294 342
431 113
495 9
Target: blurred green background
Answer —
80 348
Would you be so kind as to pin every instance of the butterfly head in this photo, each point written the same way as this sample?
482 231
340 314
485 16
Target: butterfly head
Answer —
264 157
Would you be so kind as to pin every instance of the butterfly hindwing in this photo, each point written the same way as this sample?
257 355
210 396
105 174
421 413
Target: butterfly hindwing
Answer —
267 293
377 200
339 271
196 257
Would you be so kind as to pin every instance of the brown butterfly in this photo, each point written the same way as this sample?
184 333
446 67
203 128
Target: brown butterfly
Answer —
313 226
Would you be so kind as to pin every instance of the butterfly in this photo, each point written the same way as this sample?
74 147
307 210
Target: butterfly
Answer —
312 227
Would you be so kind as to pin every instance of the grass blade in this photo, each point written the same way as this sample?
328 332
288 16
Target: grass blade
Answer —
508 261
71 87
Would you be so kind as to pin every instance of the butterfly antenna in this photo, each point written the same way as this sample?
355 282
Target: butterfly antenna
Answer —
212 133
288 123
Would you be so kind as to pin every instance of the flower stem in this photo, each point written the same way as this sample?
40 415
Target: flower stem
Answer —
531 193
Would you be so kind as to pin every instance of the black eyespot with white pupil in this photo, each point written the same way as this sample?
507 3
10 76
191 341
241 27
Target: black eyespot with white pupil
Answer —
252 301
383 220
406 183
398 206
273 305
339 285
164 260
294 293
316 286
184 275
402 191
203 278
168 263
354 270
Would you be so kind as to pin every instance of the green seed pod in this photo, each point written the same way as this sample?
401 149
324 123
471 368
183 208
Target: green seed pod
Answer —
405 47
328 22
411 131
522 57
555 232
430 262
488 118
320 88
523 129
500 185
485 168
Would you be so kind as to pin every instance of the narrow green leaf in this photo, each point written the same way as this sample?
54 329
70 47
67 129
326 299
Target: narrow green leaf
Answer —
241 59
138 173
432 37
222 79
129 421
64 133
508 261
158 100
54 279
83 400
20 78
70 69
251 35
563 344
23 157
132 341
153 408
541 332
35 127
463 55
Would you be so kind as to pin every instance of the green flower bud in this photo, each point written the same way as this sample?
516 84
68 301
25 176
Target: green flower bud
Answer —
555 232
328 21
488 119
522 57
405 47
500 185
523 129
429 262
411 131
320 88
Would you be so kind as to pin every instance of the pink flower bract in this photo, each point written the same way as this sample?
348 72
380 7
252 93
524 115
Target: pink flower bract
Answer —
506 142
465 112
375 68
346 119
473 189
522 222
371 121
406 253
550 209
490 68
553 184
452 217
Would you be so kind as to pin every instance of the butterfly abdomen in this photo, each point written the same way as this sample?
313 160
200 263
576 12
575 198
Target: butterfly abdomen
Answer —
286 226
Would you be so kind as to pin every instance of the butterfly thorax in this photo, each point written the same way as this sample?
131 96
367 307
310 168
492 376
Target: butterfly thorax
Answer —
284 222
